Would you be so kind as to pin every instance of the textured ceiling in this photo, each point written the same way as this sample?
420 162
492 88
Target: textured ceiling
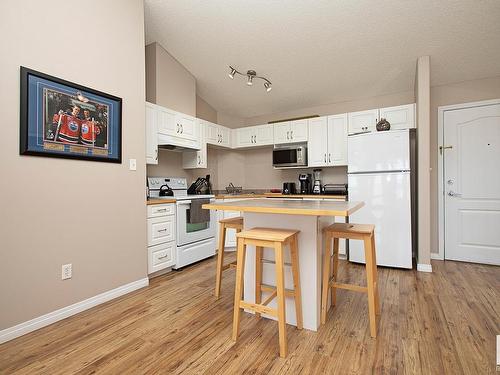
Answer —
319 52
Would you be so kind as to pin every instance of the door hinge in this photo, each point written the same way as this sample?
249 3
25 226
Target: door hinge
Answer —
441 148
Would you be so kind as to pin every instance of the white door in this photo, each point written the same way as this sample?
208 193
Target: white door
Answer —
472 184
151 135
317 145
337 140
298 131
264 135
282 132
400 117
363 121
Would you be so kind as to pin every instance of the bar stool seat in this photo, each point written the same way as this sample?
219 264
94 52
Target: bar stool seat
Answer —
276 239
366 233
224 224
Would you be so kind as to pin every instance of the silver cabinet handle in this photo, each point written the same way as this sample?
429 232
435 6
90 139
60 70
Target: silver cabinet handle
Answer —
329 158
182 129
199 159
453 194
162 230
287 135
156 152
291 134
325 158
163 256
162 210
177 131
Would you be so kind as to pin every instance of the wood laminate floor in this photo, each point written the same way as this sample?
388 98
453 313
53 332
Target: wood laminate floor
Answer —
440 323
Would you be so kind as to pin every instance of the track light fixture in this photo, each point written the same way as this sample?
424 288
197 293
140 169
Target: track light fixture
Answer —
251 75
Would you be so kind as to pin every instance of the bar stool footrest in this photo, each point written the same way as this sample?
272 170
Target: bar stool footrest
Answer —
261 309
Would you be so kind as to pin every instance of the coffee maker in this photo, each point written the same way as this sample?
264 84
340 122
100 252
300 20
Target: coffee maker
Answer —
305 183
317 181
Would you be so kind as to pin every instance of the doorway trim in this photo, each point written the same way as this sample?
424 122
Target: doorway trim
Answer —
440 192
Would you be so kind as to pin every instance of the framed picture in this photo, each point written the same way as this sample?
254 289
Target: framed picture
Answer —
66 120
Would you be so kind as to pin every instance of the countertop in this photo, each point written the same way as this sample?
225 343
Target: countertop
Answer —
289 207
159 201
278 195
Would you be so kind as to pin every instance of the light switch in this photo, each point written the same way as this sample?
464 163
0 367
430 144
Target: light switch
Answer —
133 164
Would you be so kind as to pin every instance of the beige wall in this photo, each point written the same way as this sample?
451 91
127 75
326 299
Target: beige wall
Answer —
174 86
406 97
205 111
56 211
461 92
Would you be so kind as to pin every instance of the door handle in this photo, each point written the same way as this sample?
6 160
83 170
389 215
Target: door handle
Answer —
329 158
291 134
156 157
325 158
177 128
182 129
288 135
453 194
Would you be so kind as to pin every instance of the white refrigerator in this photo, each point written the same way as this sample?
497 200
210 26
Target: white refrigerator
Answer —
381 173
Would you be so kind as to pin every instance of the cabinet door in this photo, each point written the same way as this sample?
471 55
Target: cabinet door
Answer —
337 140
317 145
166 122
187 127
298 131
281 132
161 229
211 133
400 117
364 121
161 256
225 136
151 135
264 135
245 137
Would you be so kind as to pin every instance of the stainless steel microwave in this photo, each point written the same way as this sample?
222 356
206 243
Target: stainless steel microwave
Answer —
290 156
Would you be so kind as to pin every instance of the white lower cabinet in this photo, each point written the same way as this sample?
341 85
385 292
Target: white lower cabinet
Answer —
161 237
161 256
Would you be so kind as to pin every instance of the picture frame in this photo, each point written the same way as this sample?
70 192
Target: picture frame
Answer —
63 119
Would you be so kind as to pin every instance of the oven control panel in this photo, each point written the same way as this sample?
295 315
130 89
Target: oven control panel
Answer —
175 183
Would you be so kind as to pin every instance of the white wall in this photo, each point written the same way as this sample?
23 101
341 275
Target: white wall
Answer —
56 211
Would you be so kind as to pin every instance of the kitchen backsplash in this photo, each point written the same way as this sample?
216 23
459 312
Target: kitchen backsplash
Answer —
250 169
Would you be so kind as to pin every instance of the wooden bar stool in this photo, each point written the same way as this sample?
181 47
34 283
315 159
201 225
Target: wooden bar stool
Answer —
276 239
363 232
224 224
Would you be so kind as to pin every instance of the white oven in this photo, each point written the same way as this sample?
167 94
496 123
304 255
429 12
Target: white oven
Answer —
188 233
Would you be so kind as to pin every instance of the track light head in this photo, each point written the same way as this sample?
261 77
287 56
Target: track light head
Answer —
268 86
232 73
251 74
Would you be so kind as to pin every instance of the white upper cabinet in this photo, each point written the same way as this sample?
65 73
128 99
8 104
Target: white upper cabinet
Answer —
197 159
151 134
290 131
317 145
327 144
400 117
166 121
217 135
298 130
252 136
363 121
337 140
186 126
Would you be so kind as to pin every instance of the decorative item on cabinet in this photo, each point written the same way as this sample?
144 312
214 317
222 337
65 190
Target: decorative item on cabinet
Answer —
383 125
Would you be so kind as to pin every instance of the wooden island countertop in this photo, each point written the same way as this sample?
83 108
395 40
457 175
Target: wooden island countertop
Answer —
289 207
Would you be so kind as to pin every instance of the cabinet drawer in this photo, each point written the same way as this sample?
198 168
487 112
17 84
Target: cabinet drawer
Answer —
161 229
161 210
161 256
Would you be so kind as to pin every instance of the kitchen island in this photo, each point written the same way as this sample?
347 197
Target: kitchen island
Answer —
309 217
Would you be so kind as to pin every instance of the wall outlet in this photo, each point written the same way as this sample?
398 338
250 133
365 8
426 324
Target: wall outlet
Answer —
133 164
67 271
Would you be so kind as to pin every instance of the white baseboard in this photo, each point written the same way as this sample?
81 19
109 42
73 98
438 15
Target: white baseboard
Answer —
437 256
60 314
424 267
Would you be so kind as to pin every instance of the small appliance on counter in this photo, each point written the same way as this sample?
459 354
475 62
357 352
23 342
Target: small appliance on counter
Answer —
305 183
335 189
317 181
289 188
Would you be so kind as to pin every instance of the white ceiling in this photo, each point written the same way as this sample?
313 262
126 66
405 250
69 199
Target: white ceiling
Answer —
320 52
